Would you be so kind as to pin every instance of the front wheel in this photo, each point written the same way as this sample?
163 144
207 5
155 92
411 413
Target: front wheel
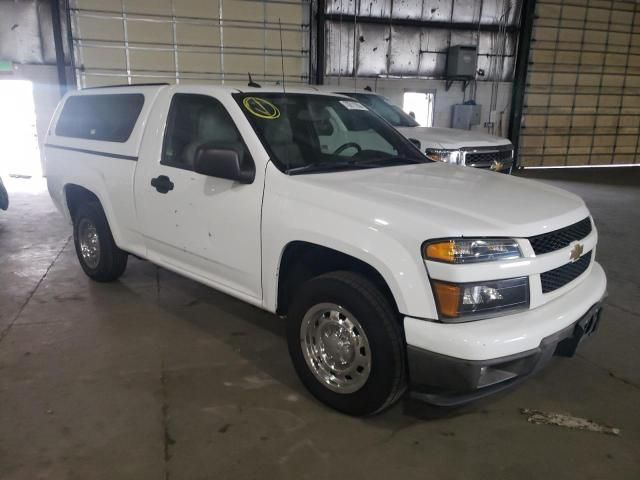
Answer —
346 343
99 256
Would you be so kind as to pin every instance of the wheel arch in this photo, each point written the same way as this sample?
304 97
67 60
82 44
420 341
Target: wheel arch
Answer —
75 195
302 260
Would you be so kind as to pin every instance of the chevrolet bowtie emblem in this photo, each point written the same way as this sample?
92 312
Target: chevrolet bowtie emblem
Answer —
496 166
576 252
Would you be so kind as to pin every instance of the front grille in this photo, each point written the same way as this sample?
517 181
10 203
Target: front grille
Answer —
552 241
486 158
559 277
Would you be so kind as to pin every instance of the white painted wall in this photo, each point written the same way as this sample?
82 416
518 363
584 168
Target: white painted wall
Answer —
394 88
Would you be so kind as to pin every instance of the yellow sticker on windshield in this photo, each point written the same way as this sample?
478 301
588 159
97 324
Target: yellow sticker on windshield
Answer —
261 108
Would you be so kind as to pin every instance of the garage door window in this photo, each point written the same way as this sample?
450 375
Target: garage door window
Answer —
110 118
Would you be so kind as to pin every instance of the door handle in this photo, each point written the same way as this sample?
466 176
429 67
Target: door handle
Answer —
162 184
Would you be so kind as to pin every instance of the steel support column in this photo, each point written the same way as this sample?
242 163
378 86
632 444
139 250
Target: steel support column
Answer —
58 45
520 74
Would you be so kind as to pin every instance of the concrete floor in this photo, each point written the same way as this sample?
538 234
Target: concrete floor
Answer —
156 376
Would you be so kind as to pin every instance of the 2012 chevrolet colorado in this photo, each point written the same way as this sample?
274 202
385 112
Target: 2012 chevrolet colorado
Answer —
393 271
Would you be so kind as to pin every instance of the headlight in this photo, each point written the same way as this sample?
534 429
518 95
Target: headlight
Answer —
448 156
471 250
462 302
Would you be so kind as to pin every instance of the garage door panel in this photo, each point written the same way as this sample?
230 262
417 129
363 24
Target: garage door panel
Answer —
286 13
104 58
206 35
152 60
199 62
149 32
244 63
182 40
291 67
582 102
623 159
242 10
160 7
98 4
243 37
553 160
103 80
101 28
290 40
197 8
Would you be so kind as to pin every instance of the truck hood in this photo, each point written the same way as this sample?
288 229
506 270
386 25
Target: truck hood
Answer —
444 199
451 138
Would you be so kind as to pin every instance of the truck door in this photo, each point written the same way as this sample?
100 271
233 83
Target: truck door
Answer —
205 227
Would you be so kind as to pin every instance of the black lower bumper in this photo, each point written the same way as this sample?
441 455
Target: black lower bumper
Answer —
448 381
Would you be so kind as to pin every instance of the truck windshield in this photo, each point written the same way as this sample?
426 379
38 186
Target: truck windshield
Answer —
316 133
387 110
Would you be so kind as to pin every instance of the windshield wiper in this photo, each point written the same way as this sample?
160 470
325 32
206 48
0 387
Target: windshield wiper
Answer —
326 167
398 159
350 164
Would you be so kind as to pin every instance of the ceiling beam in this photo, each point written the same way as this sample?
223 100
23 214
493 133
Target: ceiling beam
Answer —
409 22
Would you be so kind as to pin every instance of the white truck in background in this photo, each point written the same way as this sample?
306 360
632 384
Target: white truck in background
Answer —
459 147
392 270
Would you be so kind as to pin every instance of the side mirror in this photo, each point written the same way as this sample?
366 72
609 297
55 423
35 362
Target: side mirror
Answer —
222 163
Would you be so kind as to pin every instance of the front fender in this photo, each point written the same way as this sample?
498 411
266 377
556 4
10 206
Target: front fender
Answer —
395 258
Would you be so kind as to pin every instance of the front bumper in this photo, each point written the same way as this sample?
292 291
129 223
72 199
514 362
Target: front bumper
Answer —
448 381
451 364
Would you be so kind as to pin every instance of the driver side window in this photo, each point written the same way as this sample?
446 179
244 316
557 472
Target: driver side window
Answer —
195 120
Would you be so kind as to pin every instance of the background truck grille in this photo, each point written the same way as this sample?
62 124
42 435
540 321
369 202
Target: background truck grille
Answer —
549 242
485 158
559 277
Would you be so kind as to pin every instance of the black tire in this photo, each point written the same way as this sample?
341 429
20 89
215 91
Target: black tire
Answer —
4 197
387 377
112 261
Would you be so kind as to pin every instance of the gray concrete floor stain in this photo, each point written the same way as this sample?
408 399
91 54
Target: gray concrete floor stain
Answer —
156 376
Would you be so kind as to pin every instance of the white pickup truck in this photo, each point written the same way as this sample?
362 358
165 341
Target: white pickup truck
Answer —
392 271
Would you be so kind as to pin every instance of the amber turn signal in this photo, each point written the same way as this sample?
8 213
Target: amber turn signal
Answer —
443 251
448 298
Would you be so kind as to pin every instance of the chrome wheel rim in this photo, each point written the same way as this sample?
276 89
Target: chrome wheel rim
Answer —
335 347
89 243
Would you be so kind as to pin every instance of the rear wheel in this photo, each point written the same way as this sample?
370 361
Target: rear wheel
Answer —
346 343
99 256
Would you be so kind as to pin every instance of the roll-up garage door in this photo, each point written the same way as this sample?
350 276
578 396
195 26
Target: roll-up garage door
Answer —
582 97
196 41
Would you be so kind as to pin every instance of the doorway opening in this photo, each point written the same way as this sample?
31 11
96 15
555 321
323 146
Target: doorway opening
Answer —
18 134
420 106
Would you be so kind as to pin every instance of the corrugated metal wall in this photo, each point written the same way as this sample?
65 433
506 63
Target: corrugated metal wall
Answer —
134 41
409 38
582 99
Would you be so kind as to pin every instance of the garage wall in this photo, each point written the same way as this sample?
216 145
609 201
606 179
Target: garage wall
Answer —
582 99
400 45
137 41
411 37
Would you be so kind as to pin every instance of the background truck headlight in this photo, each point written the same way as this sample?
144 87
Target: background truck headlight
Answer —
471 250
462 302
448 156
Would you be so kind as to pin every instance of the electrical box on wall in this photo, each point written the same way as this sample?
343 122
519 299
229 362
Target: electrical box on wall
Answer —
465 115
462 62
